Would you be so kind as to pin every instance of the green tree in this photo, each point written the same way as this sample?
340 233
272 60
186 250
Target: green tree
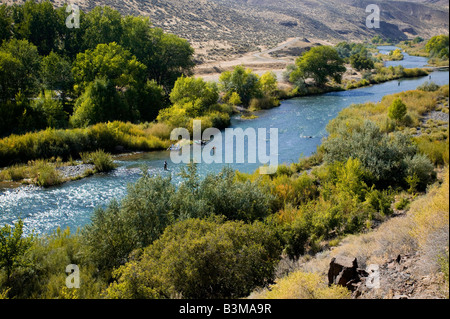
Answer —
39 24
438 46
109 61
10 68
202 259
320 64
13 247
112 85
6 25
166 56
103 26
242 81
71 40
56 74
24 76
146 101
397 110
196 91
171 58
361 61
100 102
51 110
269 84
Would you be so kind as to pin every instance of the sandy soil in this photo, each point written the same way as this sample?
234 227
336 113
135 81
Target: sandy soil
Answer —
268 59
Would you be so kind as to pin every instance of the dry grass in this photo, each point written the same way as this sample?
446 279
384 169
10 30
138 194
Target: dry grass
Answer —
423 229
300 285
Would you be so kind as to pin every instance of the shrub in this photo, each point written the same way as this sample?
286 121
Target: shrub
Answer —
235 99
159 130
422 168
102 161
428 87
41 276
235 200
135 223
397 110
65 143
263 103
402 204
14 173
48 176
381 156
436 150
201 259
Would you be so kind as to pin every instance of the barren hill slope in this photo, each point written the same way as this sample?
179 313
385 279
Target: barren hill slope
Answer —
221 28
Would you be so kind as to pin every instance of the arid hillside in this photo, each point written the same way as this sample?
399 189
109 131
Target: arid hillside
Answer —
220 29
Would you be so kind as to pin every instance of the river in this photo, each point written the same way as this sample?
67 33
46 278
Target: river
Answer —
71 204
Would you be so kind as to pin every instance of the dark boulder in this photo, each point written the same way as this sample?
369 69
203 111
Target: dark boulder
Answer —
344 272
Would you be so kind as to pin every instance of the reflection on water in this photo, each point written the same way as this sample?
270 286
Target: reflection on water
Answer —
301 123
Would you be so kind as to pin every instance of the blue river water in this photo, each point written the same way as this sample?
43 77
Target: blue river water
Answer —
301 124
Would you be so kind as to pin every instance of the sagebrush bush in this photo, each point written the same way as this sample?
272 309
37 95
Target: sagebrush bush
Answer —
428 87
381 156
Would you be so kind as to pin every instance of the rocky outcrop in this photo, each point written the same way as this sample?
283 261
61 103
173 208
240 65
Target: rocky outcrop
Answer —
344 272
399 278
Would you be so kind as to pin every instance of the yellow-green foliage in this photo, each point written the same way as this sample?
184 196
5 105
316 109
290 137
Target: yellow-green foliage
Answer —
39 172
160 130
395 55
301 285
384 74
70 142
437 149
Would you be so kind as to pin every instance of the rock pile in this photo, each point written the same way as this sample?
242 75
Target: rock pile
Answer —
398 278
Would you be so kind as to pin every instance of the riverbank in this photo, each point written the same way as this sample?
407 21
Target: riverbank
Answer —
113 136
54 172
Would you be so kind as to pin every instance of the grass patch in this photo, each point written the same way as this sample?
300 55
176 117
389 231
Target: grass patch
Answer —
102 161
39 172
69 143
301 285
